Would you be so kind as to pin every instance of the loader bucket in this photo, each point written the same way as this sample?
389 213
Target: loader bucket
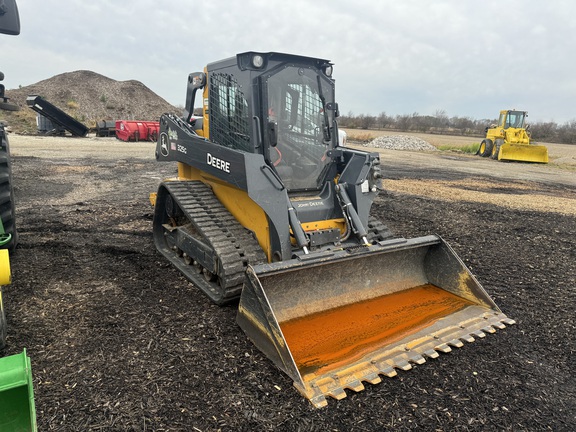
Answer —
17 409
334 321
523 153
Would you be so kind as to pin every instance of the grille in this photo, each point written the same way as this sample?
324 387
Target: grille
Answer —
229 124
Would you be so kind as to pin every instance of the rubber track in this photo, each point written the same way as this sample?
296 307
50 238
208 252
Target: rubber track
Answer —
215 226
377 231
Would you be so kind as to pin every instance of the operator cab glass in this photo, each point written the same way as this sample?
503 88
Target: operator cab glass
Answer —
514 119
296 108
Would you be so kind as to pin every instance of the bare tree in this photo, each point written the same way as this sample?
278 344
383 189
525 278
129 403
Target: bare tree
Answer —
441 119
383 121
367 121
544 131
403 122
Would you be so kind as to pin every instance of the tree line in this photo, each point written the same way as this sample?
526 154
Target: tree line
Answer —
441 123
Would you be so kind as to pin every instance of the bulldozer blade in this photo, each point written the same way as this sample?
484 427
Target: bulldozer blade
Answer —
336 320
523 153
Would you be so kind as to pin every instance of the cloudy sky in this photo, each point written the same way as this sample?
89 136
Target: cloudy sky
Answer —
465 57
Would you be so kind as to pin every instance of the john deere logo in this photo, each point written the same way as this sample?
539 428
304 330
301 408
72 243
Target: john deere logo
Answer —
164 144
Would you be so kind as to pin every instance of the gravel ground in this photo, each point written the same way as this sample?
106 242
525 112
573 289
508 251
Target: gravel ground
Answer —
120 341
401 142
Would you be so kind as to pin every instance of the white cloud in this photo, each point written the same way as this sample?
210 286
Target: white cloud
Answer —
467 58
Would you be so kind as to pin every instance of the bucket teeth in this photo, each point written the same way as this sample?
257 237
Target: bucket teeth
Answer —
373 378
389 360
443 348
456 343
337 393
387 370
415 358
431 353
467 338
355 385
403 364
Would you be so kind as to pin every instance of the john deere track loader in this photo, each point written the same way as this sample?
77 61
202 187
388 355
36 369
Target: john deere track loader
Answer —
267 208
509 140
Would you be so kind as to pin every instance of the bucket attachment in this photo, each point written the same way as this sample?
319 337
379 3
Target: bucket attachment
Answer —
523 153
17 409
333 320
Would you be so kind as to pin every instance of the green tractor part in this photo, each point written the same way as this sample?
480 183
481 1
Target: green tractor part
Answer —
17 409
4 236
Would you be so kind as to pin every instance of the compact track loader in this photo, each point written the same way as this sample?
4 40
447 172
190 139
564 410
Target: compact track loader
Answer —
268 208
510 140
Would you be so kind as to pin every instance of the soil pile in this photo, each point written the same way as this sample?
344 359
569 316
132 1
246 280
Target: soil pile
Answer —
88 97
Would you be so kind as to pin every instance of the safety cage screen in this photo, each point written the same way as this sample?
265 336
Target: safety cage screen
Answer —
229 116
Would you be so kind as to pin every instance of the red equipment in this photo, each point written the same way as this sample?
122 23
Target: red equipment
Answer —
134 130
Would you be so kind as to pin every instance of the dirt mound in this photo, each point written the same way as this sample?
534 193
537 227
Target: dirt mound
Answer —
88 97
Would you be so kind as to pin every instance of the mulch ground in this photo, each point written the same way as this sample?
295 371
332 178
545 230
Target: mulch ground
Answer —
119 341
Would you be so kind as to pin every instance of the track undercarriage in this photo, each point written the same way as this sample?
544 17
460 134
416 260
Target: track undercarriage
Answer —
203 240
207 244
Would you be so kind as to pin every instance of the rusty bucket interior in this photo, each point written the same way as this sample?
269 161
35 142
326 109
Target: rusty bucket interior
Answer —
332 323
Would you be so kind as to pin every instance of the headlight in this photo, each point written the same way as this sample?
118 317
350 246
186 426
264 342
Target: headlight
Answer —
257 61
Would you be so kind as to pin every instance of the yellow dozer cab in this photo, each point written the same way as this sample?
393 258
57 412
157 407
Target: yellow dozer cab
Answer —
509 140
269 209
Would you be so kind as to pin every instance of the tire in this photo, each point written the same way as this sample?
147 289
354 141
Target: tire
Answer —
485 149
7 212
496 149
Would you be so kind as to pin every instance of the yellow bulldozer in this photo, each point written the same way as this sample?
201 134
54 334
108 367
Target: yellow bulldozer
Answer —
510 140
269 211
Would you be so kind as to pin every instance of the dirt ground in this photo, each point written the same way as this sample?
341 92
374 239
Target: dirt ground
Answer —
119 341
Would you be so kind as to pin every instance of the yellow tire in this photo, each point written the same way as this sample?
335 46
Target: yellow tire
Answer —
5 275
496 149
485 148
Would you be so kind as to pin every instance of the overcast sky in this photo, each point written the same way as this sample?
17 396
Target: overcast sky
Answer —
465 57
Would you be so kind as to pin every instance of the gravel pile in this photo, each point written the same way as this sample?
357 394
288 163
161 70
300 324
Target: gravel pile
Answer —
89 97
400 142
